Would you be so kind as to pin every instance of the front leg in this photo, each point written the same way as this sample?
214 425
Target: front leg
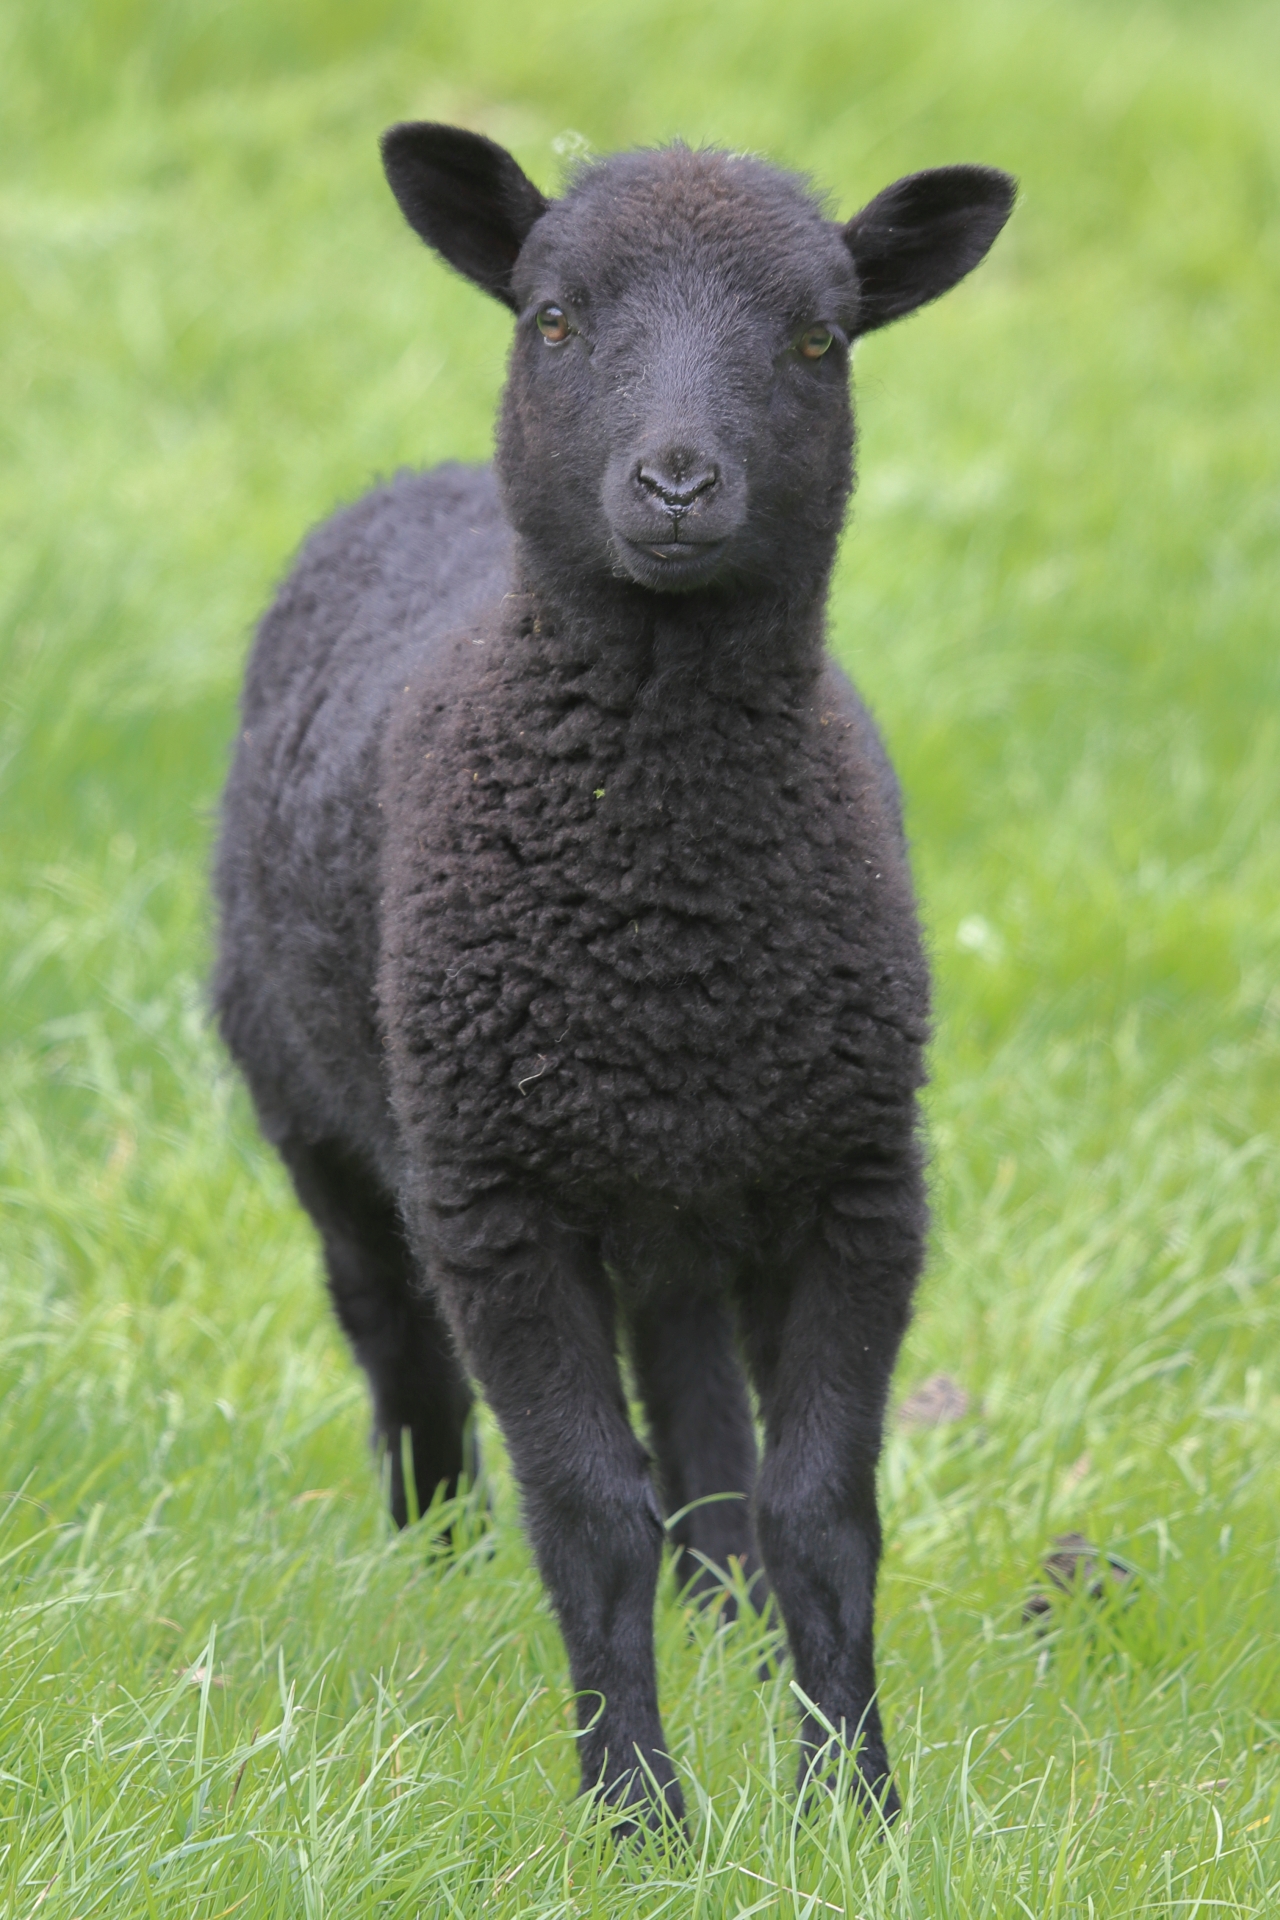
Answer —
822 1323
532 1308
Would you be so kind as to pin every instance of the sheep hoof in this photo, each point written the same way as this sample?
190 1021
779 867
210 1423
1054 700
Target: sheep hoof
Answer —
641 1808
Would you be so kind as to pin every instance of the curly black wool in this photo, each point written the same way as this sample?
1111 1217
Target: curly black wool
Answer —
567 936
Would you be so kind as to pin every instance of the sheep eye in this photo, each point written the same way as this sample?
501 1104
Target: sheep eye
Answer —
814 342
553 324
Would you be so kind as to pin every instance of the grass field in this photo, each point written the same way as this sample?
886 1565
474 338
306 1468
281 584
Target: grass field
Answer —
227 1686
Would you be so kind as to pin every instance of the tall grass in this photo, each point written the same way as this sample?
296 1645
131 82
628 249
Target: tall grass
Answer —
228 1687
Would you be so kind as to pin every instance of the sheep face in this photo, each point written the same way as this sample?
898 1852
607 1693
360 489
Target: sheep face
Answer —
677 412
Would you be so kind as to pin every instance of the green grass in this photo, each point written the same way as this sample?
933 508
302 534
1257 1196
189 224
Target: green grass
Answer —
227 1687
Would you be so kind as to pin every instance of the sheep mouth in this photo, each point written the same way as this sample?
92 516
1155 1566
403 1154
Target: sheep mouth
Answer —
679 549
671 564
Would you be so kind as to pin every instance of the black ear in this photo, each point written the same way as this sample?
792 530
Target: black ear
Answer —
921 235
465 196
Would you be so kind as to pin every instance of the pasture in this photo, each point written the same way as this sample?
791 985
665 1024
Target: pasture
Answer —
228 1685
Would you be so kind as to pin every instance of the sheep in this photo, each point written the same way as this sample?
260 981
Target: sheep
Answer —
568 943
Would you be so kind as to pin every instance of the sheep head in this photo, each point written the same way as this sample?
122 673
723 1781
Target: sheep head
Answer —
677 414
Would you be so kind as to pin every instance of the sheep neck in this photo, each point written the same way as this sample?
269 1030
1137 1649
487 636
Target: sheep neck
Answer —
642 650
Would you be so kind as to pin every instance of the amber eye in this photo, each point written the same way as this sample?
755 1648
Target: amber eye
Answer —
553 324
814 342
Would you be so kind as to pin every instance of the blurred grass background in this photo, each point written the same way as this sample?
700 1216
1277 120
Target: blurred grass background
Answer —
227 1687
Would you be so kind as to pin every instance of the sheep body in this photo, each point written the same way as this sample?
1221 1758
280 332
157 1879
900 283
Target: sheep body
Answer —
376 594
568 942
632 925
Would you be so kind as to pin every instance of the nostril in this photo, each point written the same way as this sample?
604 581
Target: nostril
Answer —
676 491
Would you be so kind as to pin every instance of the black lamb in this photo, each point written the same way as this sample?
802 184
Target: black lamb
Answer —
568 943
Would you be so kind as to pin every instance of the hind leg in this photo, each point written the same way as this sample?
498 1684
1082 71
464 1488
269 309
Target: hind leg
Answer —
394 1327
702 1434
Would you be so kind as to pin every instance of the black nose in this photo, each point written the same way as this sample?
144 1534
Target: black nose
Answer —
677 480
